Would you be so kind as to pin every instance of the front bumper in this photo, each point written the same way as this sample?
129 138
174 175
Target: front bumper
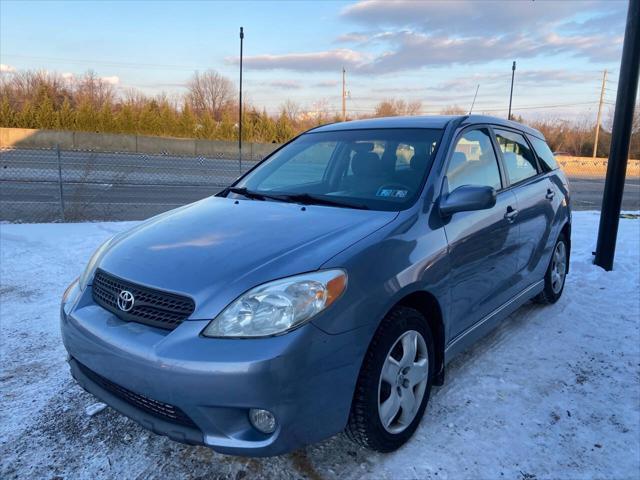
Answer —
306 378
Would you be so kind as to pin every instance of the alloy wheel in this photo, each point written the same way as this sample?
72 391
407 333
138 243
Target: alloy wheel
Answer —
558 267
403 381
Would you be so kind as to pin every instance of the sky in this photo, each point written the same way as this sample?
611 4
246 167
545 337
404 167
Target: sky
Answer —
436 52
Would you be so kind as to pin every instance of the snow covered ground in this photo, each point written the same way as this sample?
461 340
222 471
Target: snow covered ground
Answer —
553 393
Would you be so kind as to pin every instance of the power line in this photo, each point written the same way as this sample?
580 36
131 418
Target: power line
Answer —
493 109
109 62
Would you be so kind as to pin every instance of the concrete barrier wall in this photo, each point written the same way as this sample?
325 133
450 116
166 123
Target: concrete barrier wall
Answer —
590 167
110 142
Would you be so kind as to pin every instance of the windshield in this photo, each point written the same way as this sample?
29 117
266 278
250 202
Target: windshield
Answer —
378 169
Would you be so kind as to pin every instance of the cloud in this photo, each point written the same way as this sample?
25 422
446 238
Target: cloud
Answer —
4 68
469 17
330 60
112 80
419 34
412 50
327 84
529 78
409 35
353 37
286 84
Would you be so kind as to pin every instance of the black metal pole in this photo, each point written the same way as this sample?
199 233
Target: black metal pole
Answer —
620 139
240 107
513 73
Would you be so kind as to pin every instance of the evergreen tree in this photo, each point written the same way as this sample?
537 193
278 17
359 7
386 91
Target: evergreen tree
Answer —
126 119
27 116
7 113
284 129
87 117
66 116
45 115
227 128
187 122
106 122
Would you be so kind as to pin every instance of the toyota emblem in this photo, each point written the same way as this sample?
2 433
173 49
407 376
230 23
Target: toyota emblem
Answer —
125 300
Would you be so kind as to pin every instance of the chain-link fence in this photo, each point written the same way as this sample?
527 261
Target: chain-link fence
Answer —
45 185
48 185
587 177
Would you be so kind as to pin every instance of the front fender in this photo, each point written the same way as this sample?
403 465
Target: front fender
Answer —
404 257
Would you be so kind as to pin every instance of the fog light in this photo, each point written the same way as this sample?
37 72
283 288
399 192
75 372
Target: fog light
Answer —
263 420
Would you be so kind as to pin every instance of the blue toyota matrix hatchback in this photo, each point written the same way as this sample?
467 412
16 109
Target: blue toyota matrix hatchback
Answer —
326 289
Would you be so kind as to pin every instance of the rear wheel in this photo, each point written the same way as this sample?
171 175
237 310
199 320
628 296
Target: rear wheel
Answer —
394 383
556 273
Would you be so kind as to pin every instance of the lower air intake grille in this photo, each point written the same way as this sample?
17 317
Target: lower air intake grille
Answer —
158 409
151 307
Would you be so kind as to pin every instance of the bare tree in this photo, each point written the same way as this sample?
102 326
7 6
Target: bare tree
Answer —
34 86
94 90
211 93
394 107
291 110
452 110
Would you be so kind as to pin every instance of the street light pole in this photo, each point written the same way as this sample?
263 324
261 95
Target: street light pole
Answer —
513 73
240 107
620 139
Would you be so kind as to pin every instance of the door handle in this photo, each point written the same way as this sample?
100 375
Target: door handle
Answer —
511 214
550 194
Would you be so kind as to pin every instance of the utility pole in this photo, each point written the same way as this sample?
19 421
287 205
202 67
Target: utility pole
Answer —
620 139
595 142
513 73
344 95
240 107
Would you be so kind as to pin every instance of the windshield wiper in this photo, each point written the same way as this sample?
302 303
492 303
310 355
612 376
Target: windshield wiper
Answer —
250 194
304 198
310 199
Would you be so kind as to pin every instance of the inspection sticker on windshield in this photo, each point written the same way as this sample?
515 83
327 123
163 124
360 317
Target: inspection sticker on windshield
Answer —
391 193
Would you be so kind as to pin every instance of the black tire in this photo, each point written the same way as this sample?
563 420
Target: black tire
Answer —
549 295
365 427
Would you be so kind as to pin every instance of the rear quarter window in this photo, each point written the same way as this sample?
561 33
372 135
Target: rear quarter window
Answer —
544 153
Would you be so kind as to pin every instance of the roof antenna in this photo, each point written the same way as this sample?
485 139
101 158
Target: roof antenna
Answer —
474 99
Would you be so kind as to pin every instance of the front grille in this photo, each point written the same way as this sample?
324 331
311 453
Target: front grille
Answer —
158 409
151 307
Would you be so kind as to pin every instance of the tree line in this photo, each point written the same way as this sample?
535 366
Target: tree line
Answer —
209 110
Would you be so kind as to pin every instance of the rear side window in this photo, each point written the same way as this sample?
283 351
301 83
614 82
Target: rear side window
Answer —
519 159
545 154
474 162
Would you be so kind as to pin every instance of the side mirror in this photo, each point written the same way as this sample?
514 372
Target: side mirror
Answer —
467 198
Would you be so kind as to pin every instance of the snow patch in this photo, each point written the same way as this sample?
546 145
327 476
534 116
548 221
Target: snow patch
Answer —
554 392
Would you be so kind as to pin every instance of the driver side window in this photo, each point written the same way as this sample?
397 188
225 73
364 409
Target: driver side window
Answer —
474 162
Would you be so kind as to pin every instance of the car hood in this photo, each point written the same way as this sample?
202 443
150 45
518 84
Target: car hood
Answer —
216 249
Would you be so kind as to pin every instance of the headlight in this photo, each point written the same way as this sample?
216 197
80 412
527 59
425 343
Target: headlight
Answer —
70 296
278 306
87 274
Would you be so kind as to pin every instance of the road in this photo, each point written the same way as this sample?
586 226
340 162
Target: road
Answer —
586 193
124 186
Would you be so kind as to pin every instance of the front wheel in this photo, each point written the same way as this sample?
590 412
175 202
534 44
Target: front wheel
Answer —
394 383
556 273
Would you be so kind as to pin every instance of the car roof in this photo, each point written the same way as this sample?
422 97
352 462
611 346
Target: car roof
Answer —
425 121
